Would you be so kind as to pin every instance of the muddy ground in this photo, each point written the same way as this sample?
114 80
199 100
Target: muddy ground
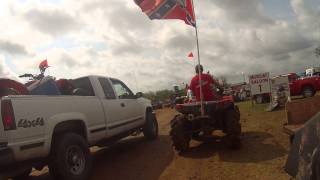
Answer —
262 156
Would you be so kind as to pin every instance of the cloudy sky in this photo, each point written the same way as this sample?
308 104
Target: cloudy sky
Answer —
114 38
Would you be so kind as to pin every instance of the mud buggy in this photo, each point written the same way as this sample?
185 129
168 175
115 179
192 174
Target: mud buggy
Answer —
219 115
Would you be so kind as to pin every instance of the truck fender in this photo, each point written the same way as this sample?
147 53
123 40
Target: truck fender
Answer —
53 121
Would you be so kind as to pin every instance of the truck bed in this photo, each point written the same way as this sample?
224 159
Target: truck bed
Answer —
35 117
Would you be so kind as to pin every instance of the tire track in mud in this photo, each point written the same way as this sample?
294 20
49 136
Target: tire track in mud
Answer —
262 156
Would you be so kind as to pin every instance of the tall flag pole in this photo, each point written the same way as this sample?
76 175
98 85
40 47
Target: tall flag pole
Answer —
174 9
198 50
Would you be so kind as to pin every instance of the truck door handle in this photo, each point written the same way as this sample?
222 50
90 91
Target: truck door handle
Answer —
122 105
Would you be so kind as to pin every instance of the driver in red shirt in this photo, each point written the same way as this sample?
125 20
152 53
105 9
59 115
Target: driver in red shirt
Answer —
207 82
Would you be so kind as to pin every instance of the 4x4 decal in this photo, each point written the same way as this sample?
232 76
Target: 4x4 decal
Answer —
24 123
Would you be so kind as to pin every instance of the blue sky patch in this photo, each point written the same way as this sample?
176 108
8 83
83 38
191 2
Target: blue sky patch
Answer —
279 9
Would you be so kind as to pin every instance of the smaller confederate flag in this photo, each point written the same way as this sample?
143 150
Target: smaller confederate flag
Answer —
190 55
168 9
43 65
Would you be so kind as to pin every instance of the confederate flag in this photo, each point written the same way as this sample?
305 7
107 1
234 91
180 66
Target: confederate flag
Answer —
43 64
168 9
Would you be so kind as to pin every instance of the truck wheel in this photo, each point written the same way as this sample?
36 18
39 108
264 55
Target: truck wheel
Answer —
71 159
259 99
233 128
23 175
307 92
150 130
180 133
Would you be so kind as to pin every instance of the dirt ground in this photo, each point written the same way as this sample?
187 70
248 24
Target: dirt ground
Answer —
262 156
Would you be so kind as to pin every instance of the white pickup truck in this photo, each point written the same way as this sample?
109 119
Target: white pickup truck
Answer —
58 130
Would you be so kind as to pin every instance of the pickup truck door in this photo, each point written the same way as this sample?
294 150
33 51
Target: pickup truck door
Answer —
122 110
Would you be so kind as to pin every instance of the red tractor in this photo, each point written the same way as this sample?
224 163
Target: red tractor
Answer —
222 115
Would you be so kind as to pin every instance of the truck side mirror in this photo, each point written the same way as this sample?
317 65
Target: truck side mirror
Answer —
139 94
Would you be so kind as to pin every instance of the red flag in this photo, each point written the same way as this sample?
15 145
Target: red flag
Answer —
190 55
168 9
43 65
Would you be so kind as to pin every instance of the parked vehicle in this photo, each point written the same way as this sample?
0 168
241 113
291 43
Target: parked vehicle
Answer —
58 130
306 86
36 85
41 85
239 91
314 71
157 104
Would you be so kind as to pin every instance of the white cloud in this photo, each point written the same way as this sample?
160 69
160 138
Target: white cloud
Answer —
114 38
5 71
308 17
12 48
54 22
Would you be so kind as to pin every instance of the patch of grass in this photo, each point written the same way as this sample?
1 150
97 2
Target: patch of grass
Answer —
248 106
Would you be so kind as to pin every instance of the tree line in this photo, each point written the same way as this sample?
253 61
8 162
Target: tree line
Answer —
163 95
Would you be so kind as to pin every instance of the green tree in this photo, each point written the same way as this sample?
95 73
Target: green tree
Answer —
161 95
150 95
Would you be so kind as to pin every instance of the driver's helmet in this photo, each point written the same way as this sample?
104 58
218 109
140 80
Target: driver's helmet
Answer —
199 67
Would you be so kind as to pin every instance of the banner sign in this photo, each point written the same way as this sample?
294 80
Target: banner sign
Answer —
259 83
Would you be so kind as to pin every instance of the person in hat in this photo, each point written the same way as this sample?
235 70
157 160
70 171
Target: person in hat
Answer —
207 83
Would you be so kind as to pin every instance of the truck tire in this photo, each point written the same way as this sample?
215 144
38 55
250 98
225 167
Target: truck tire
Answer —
180 133
233 128
150 129
308 92
71 158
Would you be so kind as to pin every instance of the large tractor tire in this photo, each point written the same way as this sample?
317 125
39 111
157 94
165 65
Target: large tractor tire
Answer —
180 133
233 128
